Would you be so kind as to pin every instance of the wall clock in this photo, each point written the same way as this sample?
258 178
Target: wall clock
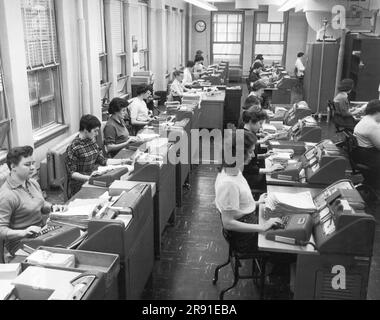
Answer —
200 26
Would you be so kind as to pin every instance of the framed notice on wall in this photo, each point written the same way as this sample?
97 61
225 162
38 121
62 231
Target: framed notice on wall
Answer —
135 51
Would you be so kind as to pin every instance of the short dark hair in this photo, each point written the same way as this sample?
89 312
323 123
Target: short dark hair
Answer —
142 89
15 155
346 85
251 101
373 107
300 54
116 105
177 73
254 116
89 122
260 57
257 65
190 64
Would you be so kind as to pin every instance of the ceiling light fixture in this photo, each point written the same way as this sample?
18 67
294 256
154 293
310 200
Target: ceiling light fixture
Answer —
202 4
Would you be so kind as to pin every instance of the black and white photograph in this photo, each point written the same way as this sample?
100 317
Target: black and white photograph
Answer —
188 157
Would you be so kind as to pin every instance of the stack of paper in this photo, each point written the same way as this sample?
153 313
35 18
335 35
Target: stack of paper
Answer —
104 169
146 137
280 204
49 259
271 129
79 212
158 146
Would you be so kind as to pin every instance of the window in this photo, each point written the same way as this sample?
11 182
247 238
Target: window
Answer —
227 37
144 51
118 40
102 46
183 37
42 61
4 117
269 38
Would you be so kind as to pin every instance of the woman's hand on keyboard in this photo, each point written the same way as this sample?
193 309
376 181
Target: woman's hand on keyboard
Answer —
32 231
271 223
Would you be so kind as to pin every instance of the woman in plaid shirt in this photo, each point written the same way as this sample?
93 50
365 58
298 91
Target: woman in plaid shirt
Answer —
84 155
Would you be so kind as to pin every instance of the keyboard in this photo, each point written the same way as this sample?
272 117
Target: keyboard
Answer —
46 230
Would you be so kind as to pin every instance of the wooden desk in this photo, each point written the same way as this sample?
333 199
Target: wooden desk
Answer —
212 111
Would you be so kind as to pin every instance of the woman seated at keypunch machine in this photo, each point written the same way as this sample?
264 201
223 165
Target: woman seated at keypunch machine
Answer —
238 209
116 134
23 209
253 171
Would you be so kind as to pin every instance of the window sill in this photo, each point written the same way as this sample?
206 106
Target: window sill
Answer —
49 133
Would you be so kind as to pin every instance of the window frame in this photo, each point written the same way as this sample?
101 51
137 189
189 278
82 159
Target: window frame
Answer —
241 43
285 38
55 68
5 116
144 52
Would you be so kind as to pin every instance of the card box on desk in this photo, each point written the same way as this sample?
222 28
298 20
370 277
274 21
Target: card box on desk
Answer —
106 179
85 261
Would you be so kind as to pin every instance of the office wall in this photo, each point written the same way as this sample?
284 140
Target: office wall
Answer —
298 35
297 38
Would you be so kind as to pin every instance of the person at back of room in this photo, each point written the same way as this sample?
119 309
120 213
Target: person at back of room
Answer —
260 59
116 134
299 66
188 74
138 110
254 75
199 67
84 155
177 89
258 90
367 132
199 56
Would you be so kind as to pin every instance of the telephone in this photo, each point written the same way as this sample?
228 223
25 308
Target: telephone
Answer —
81 285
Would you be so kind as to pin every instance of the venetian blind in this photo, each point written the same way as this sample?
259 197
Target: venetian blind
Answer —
117 25
41 43
101 34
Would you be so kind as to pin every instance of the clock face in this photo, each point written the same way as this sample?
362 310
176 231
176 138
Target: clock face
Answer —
200 26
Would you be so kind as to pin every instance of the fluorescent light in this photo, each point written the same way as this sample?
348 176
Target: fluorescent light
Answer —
203 4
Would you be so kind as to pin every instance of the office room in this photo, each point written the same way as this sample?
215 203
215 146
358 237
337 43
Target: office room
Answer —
189 150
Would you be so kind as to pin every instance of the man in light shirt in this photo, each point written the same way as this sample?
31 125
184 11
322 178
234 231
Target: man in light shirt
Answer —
300 68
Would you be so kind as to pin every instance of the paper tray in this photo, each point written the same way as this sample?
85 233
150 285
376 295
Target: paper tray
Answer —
86 261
